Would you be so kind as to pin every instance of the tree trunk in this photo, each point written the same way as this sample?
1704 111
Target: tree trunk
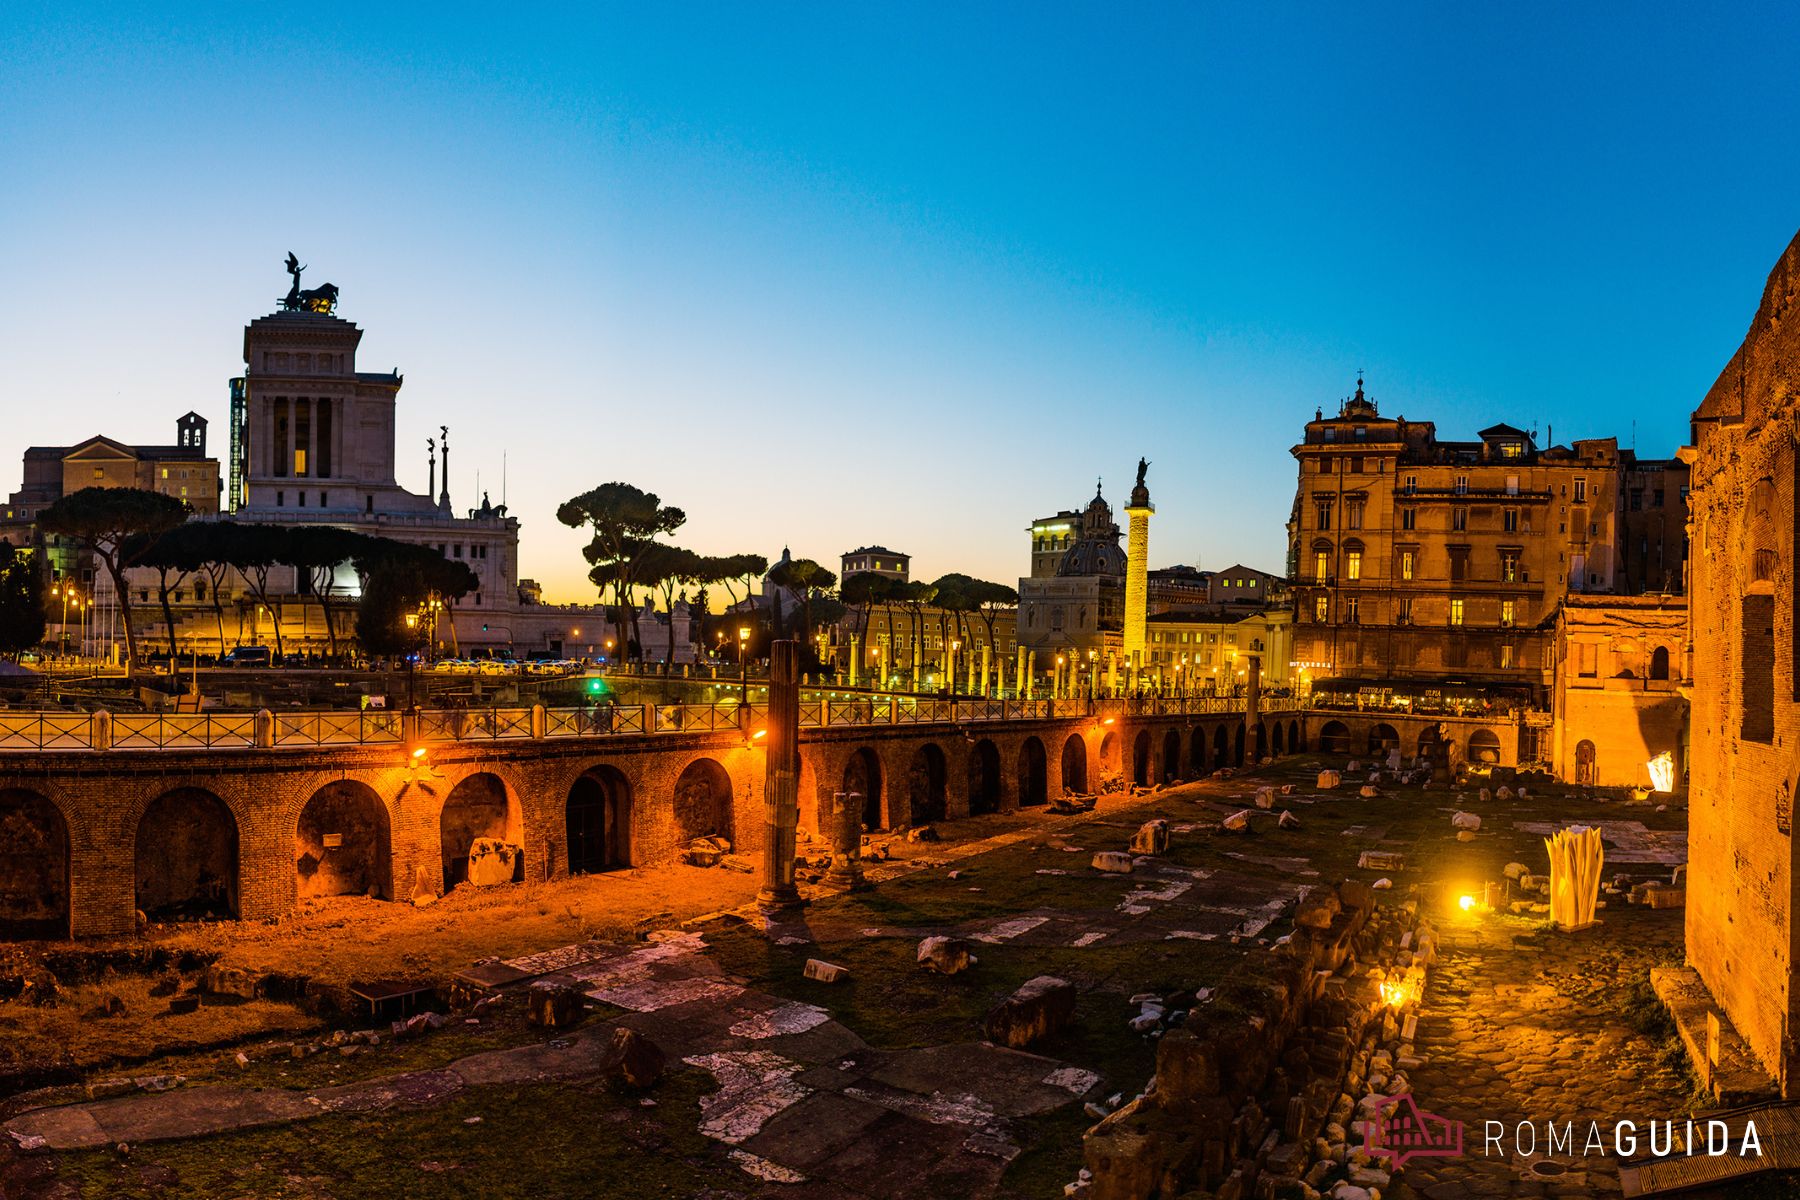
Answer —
117 575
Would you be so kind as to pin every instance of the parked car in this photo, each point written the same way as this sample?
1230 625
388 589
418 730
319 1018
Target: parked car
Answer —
247 656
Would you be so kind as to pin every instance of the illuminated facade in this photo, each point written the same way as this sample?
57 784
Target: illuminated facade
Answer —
1423 561
1077 605
1621 666
1208 649
1743 937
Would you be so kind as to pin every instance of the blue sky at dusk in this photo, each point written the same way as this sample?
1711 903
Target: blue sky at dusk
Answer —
842 274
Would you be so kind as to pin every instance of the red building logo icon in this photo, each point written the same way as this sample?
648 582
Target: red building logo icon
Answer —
1404 1131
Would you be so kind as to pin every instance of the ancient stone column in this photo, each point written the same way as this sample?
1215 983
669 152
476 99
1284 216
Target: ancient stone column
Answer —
1252 698
1137 566
846 842
781 780
986 661
855 658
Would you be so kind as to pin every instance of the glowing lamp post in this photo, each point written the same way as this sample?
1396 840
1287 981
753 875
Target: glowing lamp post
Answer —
412 635
744 664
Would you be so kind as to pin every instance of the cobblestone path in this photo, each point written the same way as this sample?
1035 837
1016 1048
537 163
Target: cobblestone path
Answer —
1521 1026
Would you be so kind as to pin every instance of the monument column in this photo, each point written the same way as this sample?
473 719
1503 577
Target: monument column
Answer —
1137 567
781 780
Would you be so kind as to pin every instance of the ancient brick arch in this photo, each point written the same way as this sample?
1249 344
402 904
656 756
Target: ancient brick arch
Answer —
480 807
343 843
1075 765
1034 773
1197 751
35 866
597 820
1171 755
702 802
983 777
186 856
927 776
863 774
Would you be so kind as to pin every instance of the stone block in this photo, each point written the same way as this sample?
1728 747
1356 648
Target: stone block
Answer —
1114 861
1668 897
1152 837
820 971
945 955
1039 1008
633 1060
493 862
1329 779
1317 909
221 980
1237 822
554 1005
1465 821
1381 860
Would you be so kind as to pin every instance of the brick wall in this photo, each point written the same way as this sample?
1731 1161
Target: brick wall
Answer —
1740 915
102 797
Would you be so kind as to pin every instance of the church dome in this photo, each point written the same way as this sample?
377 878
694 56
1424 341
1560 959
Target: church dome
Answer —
1097 550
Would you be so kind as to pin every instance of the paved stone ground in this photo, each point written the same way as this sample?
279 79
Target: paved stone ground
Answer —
1519 1025
800 1097
1516 1025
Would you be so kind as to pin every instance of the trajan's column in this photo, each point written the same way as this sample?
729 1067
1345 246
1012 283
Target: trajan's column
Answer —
1137 568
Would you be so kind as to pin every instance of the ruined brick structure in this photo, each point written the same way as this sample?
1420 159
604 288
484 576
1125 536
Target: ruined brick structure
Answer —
88 838
1621 666
1746 696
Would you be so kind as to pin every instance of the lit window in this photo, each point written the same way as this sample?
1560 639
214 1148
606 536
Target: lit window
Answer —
165 472
1321 566
1353 565
1456 612
1506 656
1506 612
1407 559
1321 609
300 461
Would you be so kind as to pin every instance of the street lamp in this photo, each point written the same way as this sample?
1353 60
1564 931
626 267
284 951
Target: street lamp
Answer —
412 630
744 664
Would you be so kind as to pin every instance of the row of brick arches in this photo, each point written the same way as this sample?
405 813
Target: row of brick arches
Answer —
1381 739
201 853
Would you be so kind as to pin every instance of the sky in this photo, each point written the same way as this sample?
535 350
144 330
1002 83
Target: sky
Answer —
834 275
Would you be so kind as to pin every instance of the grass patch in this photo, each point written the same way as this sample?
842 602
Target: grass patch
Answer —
543 1141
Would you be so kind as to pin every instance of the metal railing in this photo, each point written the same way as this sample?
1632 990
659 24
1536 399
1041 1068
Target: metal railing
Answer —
26 731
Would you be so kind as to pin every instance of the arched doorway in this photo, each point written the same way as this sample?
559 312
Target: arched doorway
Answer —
1197 753
1171 762
34 867
1296 739
1276 737
1586 769
478 809
703 803
1484 747
1334 738
925 786
1110 753
599 821
1074 765
1260 743
1432 747
1238 759
1140 759
984 778
1221 748
1383 738
862 776
187 857
341 844
1034 785
1659 663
